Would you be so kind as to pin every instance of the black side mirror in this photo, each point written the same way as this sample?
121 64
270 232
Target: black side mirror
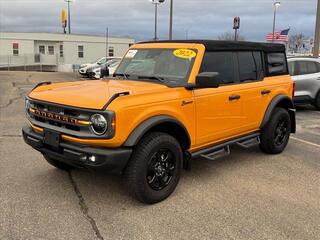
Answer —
207 80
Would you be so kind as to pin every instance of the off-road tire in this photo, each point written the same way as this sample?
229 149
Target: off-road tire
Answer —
136 172
269 132
317 101
57 164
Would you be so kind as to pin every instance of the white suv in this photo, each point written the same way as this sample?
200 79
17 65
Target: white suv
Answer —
305 72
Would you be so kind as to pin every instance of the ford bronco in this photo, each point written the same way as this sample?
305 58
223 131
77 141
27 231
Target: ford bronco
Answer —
168 102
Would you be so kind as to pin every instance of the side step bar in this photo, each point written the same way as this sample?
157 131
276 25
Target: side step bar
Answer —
223 149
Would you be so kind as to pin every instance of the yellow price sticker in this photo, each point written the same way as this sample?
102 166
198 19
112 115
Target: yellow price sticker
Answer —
184 53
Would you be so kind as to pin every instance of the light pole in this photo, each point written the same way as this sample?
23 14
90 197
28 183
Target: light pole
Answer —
171 20
316 44
69 17
275 7
156 3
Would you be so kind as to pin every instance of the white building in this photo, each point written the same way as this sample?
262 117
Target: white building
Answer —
56 51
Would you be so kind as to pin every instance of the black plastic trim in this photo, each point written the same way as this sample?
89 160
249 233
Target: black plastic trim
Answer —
40 84
275 102
305 99
145 126
224 144
114 96
111 159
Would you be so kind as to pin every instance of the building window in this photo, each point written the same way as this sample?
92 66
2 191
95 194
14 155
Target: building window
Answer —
111 52
61 50
15 49
42 49
80 52
51 50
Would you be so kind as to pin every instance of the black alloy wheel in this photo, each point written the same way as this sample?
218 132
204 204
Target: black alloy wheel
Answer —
161 169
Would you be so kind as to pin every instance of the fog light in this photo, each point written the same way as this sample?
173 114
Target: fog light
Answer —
92 158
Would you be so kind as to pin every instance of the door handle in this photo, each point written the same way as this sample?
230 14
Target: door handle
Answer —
265 92
234 97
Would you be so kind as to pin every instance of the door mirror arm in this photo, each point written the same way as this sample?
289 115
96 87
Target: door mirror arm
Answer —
205 80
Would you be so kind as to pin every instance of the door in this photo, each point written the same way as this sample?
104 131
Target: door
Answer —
218 110
255 93
306 74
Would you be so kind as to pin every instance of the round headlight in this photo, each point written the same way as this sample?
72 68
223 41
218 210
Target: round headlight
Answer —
99 124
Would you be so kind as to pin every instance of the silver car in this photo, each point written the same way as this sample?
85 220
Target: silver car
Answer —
305 72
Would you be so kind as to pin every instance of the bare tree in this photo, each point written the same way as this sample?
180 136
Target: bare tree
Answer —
230 37
296 41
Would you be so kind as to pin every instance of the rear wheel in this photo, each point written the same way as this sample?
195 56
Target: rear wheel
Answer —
275 136
58 164
317 102
154 169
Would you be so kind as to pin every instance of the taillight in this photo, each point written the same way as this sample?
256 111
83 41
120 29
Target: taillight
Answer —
293 89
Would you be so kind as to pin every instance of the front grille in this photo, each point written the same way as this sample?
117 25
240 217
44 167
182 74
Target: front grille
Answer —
72 121
61 118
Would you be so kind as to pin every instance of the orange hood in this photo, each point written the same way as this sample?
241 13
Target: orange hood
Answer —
90 94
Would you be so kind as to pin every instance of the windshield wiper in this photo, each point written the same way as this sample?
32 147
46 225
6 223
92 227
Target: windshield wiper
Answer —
153 77
125 76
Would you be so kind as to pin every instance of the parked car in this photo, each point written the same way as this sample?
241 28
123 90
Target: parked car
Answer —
305 72
168 102
104 70
86 68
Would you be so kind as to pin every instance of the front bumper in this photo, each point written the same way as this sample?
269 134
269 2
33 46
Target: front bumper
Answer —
83 71
79 155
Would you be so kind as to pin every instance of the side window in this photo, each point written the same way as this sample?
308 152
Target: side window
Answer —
312 67
42 49
318 66
61 51
277 63
111 52
80 51
50 50
307 67
15 49
221 62
250 66
292 68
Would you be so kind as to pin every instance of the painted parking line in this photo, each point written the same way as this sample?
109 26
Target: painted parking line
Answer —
306 142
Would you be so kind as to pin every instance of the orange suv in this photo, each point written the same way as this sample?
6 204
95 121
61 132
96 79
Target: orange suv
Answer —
167 103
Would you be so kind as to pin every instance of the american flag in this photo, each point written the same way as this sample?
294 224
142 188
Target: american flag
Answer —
282 36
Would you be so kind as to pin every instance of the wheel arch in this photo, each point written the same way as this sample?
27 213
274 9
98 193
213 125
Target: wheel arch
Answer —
282 101
161 123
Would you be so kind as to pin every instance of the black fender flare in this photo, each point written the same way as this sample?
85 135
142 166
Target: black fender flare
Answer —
146 125
280 101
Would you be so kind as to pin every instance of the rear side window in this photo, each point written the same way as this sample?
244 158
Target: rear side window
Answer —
292 68
250 66
306 67
277 63
221 62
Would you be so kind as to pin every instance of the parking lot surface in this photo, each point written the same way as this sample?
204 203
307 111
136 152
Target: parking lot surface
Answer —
247 195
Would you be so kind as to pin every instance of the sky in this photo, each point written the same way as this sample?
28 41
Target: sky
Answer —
193 19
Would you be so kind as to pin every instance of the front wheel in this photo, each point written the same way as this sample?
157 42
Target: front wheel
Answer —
154 170
275 136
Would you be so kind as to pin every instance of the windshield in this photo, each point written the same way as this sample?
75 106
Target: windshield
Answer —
102 61
167 66
95 61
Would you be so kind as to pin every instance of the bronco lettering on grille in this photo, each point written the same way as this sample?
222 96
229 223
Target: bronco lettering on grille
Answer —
54 116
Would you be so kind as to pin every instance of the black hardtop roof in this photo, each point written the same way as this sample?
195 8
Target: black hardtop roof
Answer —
219 45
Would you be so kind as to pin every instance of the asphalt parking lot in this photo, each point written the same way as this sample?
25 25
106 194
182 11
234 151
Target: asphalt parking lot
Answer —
247 195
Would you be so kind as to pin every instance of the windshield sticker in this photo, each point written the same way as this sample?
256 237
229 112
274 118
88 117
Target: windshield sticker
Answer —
131 53
184 53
